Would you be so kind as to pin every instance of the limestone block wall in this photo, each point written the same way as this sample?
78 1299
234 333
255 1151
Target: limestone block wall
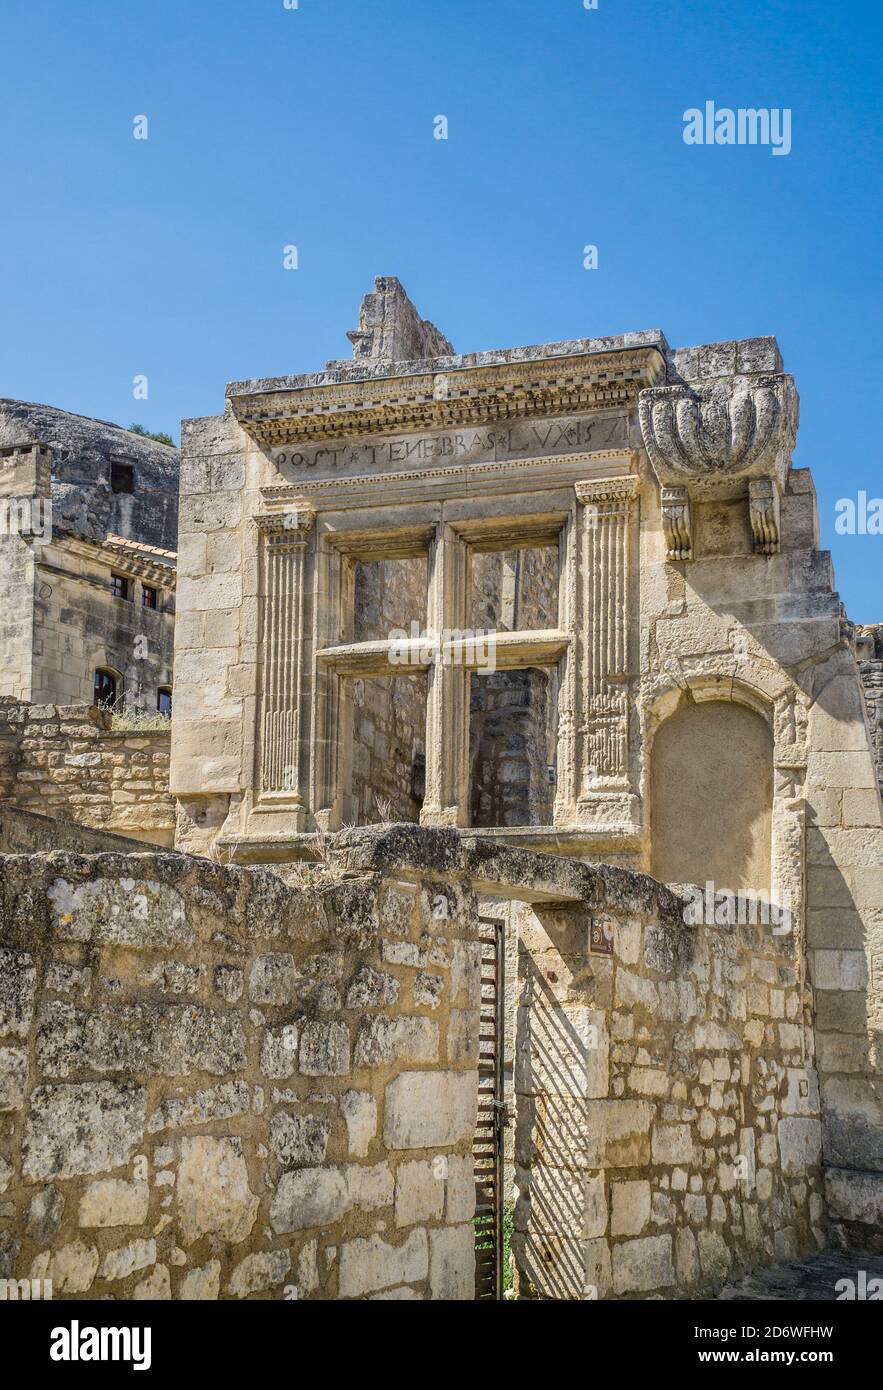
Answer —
67 762
845 948
16 616
217 1086
668 1129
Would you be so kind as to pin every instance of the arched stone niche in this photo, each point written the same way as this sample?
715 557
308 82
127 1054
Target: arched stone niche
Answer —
711 796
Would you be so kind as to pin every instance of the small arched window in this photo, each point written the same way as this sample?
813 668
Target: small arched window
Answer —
164 700
106 688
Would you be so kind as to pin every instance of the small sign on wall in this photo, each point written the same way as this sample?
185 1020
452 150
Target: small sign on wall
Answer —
601 937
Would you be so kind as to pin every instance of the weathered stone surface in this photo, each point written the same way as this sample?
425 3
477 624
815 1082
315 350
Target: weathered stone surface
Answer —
359 1110
309 1197
213 1103
13 1077
452 1263
213 1192
419 1192
259 1272
86 1128
126 1259
429 1109
372 989
373 1263
409 1039
72 1268
18 981
45 1214
273 979
642 1265
121 912
156 1288
299 1140
325 1049
800 1143
114 1202
201 1285
630 1208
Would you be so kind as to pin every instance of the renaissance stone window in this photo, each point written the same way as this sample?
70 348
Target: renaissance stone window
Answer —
107 684
164 700
121 587
395 696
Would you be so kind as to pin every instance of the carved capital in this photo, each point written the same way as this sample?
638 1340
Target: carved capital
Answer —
677 523
286 530
607 496
739 427
765 507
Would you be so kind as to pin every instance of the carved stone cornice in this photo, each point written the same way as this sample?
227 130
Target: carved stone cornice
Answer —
464 397
122 558
741 427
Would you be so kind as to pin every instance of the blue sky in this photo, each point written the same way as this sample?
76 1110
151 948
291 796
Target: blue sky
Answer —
314 126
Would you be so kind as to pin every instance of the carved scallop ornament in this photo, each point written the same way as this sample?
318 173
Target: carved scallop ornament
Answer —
740 427
733 437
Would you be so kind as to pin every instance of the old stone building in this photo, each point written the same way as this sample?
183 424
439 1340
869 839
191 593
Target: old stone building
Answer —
529 850
88 529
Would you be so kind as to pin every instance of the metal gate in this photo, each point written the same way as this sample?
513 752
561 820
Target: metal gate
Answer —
487 1149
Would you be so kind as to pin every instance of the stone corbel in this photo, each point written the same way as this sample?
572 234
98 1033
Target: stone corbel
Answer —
677 523
764 503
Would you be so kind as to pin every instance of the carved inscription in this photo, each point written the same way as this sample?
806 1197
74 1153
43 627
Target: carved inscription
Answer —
475 446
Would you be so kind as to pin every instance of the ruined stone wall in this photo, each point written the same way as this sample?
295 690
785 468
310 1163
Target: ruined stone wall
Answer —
217 1086
25 832
668 1132
67 762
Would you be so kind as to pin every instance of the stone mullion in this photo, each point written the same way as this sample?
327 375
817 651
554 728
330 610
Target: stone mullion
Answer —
447 707
286 542
332 718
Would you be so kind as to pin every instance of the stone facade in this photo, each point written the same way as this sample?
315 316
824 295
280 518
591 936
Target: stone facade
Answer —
83 586
711 721
70 763
675 691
